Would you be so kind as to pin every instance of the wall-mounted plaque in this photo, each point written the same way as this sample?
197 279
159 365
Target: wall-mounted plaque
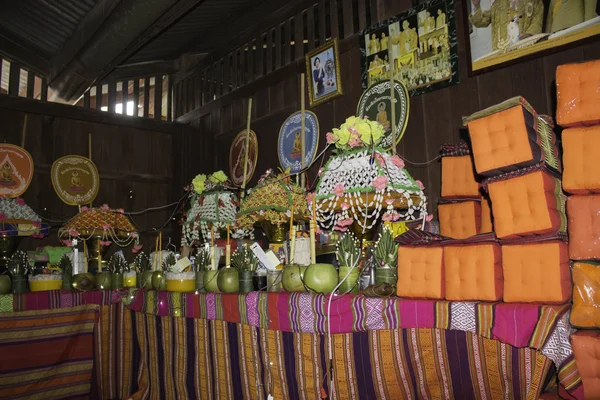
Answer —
75 180
289 146
16 170
237 152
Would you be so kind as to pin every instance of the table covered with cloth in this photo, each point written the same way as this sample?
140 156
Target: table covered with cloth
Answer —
162 345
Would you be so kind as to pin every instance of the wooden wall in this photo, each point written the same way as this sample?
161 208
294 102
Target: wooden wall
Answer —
137 160
435 118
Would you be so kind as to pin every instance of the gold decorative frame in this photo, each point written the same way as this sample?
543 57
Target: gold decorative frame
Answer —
91 177
338 79
252 157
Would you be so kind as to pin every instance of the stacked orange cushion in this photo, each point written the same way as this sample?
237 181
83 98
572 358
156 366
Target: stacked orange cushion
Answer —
525 203
536 273
458 178
421 272
486 215
586 295
577 93
581 147
460 220
473 271
510 136
584 227
586 349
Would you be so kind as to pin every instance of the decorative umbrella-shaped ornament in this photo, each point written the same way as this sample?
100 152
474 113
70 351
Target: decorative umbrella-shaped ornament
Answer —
213 205
362 184
270 205
17 220
99 228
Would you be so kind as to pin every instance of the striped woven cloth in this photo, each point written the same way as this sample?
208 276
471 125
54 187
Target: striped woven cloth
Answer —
47 354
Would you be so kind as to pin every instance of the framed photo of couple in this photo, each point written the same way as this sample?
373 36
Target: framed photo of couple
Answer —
323 71
500 32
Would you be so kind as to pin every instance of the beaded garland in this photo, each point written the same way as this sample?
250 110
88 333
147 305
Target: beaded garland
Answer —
356 186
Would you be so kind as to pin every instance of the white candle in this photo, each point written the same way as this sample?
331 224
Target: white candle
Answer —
75 257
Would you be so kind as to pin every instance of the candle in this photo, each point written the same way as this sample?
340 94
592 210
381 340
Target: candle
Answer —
213 263
313 228
228 243
85 264
292 244
228 249
75 257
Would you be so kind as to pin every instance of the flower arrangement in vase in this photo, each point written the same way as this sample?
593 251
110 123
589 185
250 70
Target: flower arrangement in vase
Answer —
349 255
244 260
18 266
141 264
386 258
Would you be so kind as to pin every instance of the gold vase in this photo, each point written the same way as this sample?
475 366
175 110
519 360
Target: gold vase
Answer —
96 253
275 233
8 244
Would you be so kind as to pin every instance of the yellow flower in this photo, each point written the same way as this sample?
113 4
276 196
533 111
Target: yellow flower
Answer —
364 130
343 135
351 120
218 177
376 131
198 183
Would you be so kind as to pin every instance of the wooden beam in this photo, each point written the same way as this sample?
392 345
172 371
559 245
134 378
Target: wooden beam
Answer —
92 21
112 97
86 99
14 78
170 99
278 29
172 15
13 49
144 69
30 84
79 113
287 42
99 97
136 97
44 95
124 95
299 35
322 23
310 27
333 14
348 14
158 83
146 97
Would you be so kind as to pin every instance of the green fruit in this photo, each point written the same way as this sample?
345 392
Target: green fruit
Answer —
228 280
291 278
159 280
211 280
83 282
146 279
321 278
5 284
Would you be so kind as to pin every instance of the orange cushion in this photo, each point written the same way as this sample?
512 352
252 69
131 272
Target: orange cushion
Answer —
578 94
586 295
421 272
536 273
473 272
581 147
530 204
486 215
458 178
509 136
586 349
584 227
460 220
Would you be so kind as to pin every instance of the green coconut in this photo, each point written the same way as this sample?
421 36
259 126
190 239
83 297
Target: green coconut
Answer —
83 282
228 280
291 278
211 280
5 284
321 278
159 280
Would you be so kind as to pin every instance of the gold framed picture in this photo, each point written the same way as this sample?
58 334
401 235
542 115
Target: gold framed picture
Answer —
323 71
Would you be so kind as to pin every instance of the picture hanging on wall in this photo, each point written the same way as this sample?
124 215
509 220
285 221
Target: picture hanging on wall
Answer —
323 71
421 43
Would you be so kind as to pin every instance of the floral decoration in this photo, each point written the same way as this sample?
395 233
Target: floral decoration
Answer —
354 133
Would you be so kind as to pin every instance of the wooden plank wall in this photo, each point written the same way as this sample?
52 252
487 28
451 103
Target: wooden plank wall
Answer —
139 161
435 118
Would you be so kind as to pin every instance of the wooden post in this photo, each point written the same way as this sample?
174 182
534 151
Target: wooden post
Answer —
302 129
392 93
247 145
24 131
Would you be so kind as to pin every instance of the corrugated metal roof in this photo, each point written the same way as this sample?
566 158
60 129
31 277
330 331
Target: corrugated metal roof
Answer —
43 25
200 21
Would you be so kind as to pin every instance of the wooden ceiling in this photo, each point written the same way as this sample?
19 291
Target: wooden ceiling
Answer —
77 43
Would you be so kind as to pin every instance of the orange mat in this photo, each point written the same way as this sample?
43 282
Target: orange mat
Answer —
586 295
460 220
584 227
458 178
421 272
578 96
581 147
586 348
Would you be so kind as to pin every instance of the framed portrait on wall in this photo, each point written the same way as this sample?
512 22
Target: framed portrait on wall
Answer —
502 32
421 43
323 72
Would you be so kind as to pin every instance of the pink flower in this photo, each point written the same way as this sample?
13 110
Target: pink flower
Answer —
84 209
68 243
120 210
135 235
420 185
380 183
136 248
397 161
320 172
366 117
309 199
387 216
105 243
389 202
73 232
34 235
345 222
338 190
105 207
331 138
345 206
3 216
354 140
106 227
20 201
37 224
379 159
41 235
429 218
319 230
341 228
